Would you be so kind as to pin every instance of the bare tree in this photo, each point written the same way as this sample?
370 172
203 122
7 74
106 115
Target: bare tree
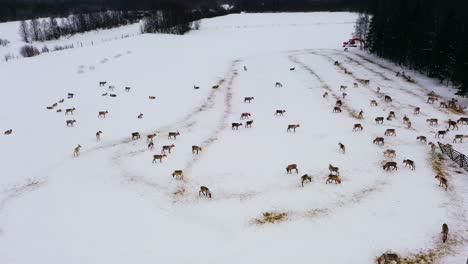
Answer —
361 28
35 29
24 31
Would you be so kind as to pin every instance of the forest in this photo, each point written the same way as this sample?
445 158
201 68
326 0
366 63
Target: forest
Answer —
429 36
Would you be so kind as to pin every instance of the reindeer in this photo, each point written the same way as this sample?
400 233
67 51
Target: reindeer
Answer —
278 84
235 126
59 111
459 138
98 135
215 86
149 138
442 181
280 112
151 145
245 116
336 109
452 124
76 151
361 115
168 148
50 107
338 103
441 133
111 88
422 139
152 97
417 111
397 74
357 127
333 169
390 165
391 153
102 83
378 141
178 174
103 114
343 87
293 127
431 100
405 120
344 95
336 63
463 120
135 135
8 132
245 68
70 111
196 87
355 85
409 163
291 167
61 100
127 89
373 103
443 105
388 258
70 123
342 147
112 95
248 124
432 121
173 135
70 95
390 132
325 95
104 94
378 90
379 120
333 178
54 104
445 231
305 178
408 125
140 116
292 69
433 147
391 115
248 99
196 149
205 191
388 99
158 157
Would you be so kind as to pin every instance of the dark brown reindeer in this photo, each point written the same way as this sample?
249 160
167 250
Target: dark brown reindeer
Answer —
245 116
336 109
173 135
443 105
136 135
379 120
442 181
204 191
445 231
235 126
422 139
409 163
357 127
103 114
391 153
441 133
432 121
291 167
325 95
248 124
417 111
342 147
167 148
102 83
178 174
452 124
431 100
373 103
280 112
98 135
390 165
344 95
388 99
140 116
70 110
149 138
8 132
433 147
406 120
333 178
248 99
127 89
463 120
158 157
338 103
305 178
76 151
361 115
379 141
459 138
293 127
390 132
151 145
278 84
343 87
333 170
196 149
152 97
70 123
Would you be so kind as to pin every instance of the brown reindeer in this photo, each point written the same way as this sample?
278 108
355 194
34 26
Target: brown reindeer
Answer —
196 149
333 178
452 124
305 178
8 132
343 87
215 86
149 138
102 83
167 147
433 147
355 85
422 139
390 132
442 181
173 135
445 231
291 167
158 157
338 103
245 116
417 111
431 100
337 63
388 258
103 114
248 124
361 115
140 116
342 147
280 112
70 123
406 120
409 163
293 127
391 153
379 120
152 97
151 145
344 95
441 133
463 120
50 107
178 174
235 126
336 109
459 138
292 69
127 89
59 111
112 95
70 111
408 125
76 151
135 135
104 94
204 191
248 99
278 84
432 121
98 135
390 165
334 170
325 95
61 101
443 105
388 99
391 115
373 103
357 127
379 141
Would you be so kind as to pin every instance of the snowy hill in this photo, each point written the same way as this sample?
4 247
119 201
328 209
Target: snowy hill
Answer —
113 204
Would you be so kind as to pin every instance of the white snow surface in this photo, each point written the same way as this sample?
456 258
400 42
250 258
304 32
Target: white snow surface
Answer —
113 205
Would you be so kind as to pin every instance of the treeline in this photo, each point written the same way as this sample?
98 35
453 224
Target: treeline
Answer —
430 36
53 28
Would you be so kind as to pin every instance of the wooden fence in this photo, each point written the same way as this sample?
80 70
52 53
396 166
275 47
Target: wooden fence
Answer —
454 155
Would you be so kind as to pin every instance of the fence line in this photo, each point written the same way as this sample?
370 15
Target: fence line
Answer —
454 155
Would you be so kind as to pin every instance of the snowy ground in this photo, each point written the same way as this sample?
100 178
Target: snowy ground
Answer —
112 204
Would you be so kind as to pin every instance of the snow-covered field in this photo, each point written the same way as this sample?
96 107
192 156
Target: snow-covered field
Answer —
113 205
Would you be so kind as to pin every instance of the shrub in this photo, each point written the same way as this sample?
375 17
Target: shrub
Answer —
4 42
45 49
29 51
